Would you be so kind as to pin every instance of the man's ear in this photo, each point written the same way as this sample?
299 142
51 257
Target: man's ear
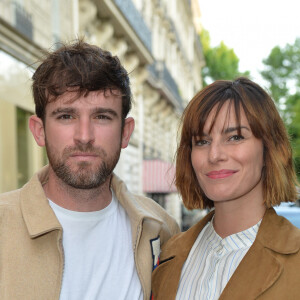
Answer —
127 131
36 127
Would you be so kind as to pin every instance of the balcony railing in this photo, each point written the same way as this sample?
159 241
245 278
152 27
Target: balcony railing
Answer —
178 41
136 21
161 73
23 21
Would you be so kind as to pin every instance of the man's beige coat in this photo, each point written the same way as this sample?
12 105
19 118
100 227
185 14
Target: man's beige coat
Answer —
31 252
270 270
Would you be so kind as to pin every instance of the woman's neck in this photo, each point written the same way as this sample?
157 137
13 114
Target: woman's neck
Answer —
233 216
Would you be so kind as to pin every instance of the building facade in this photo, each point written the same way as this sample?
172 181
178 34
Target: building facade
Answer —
158 44
25 28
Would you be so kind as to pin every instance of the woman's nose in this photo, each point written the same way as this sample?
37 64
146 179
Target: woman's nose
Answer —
217 152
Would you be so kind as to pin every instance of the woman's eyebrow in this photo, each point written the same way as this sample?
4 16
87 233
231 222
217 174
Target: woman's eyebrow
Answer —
237 128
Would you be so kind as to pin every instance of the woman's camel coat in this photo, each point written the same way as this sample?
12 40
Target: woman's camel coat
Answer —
270 269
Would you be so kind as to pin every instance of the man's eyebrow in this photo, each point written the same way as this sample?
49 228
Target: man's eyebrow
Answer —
237 128
66 110
101 110
97 110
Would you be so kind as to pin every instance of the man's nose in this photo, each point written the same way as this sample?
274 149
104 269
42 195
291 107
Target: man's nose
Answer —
84 131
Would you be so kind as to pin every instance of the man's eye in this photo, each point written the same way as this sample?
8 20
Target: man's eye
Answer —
103 117
65 117
236 138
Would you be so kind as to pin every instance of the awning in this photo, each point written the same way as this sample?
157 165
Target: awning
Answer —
158 176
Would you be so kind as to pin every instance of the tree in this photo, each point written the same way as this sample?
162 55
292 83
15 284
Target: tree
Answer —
221 61
282 72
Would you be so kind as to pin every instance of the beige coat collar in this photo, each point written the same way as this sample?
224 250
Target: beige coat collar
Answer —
37 213
40 218
148 221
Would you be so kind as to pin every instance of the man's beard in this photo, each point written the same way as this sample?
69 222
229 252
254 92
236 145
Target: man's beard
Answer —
84 176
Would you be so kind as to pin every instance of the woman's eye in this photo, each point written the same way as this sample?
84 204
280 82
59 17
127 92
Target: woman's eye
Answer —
236 137
201 143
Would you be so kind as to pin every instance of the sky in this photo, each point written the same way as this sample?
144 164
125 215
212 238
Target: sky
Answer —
251 28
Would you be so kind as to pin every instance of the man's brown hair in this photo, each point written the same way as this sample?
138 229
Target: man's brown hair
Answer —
79 67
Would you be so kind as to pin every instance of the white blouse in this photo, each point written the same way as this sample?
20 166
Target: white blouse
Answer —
212 261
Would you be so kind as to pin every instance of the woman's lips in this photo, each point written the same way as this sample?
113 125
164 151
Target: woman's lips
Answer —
220 174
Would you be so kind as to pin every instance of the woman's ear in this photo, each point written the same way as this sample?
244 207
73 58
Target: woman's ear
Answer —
36 127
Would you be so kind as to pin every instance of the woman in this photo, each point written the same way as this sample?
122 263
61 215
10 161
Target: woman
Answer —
234 156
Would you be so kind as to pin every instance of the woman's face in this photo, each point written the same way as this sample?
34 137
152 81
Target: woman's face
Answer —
228 166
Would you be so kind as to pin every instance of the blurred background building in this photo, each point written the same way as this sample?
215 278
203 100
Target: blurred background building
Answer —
158 43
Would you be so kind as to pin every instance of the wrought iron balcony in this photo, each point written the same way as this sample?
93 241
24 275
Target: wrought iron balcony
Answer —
161 73
176 34
23 21
136 21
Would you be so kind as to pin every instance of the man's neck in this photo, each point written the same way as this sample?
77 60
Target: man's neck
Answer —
84 200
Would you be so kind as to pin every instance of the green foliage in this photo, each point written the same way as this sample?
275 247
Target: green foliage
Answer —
282 72
221 61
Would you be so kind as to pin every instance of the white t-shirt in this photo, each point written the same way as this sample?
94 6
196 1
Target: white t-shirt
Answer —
99 259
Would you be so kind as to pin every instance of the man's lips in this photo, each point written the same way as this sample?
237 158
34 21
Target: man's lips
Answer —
220 174
83 155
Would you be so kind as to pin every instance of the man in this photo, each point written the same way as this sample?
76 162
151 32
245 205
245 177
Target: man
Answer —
74 231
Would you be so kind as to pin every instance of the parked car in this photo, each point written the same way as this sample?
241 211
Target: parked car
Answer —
290 211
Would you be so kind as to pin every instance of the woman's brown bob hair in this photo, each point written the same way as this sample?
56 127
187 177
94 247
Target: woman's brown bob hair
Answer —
278 175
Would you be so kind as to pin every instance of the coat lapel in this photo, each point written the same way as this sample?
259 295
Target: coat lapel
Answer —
166 276
165 282
261 268
148 232
37 213
257 272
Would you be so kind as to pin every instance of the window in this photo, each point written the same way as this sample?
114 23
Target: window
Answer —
22 146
